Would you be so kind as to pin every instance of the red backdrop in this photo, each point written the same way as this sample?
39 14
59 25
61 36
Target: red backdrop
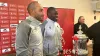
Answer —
15 11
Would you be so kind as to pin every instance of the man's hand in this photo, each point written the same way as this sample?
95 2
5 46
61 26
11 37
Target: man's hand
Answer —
61 53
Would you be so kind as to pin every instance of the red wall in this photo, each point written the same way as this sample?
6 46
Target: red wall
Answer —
19 2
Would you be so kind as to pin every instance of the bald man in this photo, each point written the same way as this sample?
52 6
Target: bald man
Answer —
29 40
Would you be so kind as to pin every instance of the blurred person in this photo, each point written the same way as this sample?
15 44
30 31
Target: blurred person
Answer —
29 40
94 34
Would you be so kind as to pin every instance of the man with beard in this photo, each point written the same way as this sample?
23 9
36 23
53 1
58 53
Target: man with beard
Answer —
29 40
52 34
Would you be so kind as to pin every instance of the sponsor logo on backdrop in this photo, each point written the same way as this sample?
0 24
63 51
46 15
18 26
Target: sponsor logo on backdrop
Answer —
5 34
13 17
21 14
13 21
12 29
20 21
6 50
3 13
6 42
6 46
4 21
3 9
13 33
21 10
3 4
4 25
5 38
13 9
4 30
68 51
13 25
21 6
13 5
13 13
4 17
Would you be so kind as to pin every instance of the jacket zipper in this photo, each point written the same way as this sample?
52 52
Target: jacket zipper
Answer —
48 48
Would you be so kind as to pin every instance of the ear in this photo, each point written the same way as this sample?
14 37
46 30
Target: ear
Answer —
31 10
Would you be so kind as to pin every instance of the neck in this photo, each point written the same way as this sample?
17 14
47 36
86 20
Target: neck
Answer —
53 20
32 16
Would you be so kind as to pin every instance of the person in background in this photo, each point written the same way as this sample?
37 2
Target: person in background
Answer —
29 39
52 34
94 34
81 21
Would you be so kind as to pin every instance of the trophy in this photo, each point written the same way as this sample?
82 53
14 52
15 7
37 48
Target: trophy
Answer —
79 43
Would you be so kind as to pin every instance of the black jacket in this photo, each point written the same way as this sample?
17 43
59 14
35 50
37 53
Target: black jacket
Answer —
94 33
76 28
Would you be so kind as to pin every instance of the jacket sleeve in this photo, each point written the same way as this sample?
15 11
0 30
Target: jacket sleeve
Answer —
22 39
89 32
60 40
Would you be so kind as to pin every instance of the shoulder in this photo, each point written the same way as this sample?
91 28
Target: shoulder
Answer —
98 23
85 24
76 24
23 25
95 25
44 23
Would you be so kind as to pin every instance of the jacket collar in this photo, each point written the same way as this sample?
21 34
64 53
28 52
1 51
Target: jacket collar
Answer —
33 20
50 20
